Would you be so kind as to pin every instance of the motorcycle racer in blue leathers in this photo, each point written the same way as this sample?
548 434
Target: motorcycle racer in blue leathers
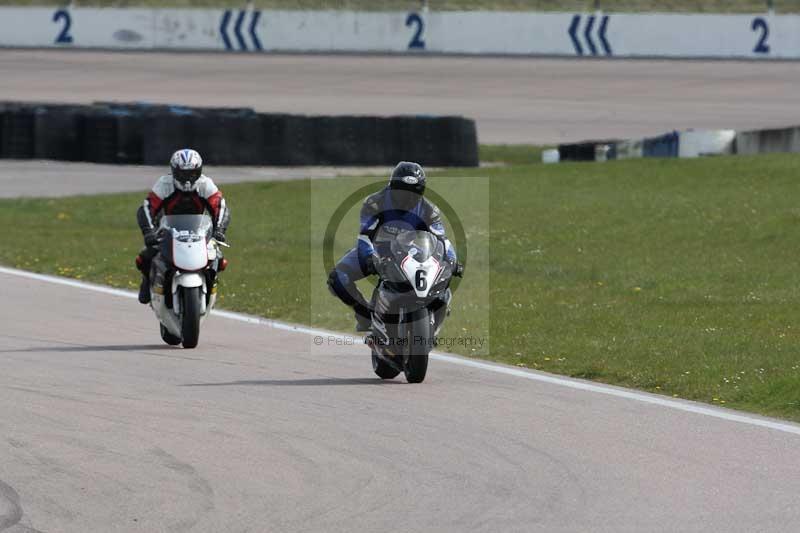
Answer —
401 201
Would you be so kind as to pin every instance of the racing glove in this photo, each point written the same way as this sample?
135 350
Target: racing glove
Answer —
371 264
151 239
219 235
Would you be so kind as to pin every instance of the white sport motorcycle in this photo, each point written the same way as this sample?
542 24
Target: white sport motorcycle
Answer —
183 276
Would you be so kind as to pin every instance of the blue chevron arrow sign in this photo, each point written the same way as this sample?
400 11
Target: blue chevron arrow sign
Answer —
590 47
255 42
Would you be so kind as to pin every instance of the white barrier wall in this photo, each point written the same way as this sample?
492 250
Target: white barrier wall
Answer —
561 34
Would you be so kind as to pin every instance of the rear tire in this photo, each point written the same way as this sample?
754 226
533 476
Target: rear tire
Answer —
190 316
419 337
168 337
382 369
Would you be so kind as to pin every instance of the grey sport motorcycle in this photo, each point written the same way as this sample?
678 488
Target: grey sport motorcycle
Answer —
410 301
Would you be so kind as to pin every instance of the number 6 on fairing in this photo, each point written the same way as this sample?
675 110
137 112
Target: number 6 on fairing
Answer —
420 280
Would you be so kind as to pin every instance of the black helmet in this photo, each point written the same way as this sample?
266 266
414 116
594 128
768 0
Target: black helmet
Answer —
408 176
406 185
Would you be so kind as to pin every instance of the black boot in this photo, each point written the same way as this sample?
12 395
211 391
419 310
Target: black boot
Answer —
144 291
363 318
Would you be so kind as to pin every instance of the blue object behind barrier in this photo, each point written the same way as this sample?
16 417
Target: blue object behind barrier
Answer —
662 146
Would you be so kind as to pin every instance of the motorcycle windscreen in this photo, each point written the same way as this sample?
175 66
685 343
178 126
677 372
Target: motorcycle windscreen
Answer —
397 241
188 234
199 224
420 245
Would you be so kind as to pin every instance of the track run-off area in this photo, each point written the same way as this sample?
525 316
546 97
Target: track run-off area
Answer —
513 100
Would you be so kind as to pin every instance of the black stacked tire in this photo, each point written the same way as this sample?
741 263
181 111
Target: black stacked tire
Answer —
353 140
457 142
130 137
58 132
421 140
230 137
379 142
288 140
130 127
368 141
19 138
337 140
166 132
134 133
100 136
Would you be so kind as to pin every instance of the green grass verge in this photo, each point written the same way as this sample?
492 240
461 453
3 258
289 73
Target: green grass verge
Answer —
677 277
699 6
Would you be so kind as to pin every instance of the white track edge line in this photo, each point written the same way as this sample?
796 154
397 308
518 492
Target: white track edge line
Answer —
619 392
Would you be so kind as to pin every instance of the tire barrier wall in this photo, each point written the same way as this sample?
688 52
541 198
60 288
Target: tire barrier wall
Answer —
132 133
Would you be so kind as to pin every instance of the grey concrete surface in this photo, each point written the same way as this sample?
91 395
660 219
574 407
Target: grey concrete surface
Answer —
59 178
514 100
106 429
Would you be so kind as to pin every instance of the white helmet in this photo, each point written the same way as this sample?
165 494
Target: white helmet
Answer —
187 167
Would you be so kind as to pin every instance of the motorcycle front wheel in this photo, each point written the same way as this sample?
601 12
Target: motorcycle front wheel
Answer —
419 338
190 316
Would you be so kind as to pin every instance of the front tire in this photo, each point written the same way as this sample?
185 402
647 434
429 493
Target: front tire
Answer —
190 316
419 338
168 337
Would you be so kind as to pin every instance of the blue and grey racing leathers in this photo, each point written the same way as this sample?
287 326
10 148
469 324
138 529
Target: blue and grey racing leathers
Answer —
357 263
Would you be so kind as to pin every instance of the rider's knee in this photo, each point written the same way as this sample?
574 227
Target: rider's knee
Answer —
340 285
336 282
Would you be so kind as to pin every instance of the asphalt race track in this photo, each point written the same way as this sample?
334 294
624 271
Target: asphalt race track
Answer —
514 100
20 178
107 429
